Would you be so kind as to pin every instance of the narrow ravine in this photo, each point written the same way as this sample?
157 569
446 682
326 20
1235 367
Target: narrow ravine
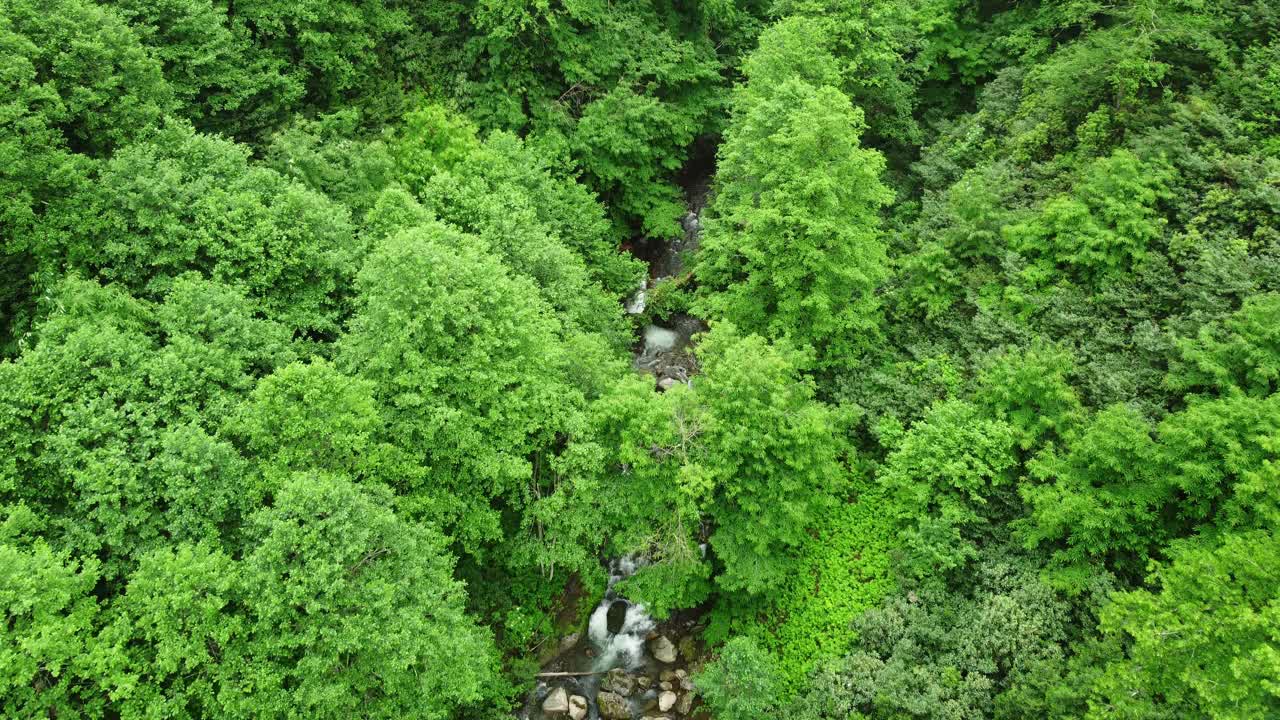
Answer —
664 348
625 665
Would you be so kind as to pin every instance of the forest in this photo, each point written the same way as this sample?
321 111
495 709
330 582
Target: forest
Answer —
640 360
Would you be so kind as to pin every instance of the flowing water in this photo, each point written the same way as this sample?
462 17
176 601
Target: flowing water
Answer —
618 627
615 638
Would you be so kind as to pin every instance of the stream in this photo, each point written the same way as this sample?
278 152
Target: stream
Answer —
664 349
626 665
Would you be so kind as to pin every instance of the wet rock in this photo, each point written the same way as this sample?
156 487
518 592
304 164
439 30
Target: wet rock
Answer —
577 707
667 700
662 649
616 616
685 703
644 682
691 223
557 703
613 706
618 681
568 641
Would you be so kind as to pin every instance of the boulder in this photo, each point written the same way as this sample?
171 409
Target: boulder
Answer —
616 616
685 703
556 703
577 707
644 682
667 383
683 679
667 700
666 676
662 649
618 681
613 706
666 685
691 222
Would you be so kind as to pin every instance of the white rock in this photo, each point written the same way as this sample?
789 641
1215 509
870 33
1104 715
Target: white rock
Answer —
557 703
667 700
577 707
662 649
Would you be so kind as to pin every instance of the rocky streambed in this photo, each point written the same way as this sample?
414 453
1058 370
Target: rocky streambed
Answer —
623 666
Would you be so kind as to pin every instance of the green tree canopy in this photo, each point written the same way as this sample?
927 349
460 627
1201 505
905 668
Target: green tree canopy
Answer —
339 607
469 371
792 249
183 201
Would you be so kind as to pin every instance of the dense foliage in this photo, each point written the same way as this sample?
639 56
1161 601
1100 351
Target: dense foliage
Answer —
315 393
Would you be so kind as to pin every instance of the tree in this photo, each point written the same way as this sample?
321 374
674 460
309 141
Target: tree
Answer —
222 82
99 91
49 614
624 91
106 425
1103 228
311 417
1103 499
950 485
176 635
1203 641
65 92
634 480
769 487
338 608
468 372
1217 455
340 52
741 683
1029 389
330 155
792 249
945 654
185 202
388 636
500 192
1240 352
873 42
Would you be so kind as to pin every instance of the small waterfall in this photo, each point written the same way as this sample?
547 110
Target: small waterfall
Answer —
637 303
618 627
